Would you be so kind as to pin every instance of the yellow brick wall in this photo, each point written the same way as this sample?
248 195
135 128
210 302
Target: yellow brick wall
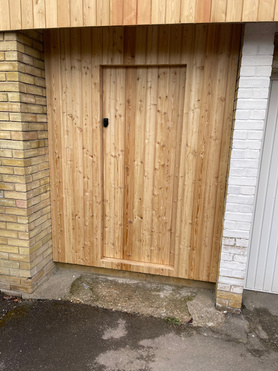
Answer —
25 221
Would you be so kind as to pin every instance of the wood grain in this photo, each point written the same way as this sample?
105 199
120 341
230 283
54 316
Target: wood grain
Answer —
84 13
51 14
250 10
203 11
188 10
145 194
5 23
27 17
39 13
89 12
218 11
234 10
144 12
266 10
63 10
76 13
15 17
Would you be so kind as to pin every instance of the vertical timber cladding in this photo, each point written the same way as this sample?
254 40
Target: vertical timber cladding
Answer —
146 193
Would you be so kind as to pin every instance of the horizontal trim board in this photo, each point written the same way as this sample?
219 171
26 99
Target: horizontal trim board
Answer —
130 262
43 14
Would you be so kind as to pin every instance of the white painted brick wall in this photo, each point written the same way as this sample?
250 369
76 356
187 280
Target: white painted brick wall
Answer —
250 117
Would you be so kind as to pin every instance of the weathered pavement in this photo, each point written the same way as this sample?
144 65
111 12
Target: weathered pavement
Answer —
62 335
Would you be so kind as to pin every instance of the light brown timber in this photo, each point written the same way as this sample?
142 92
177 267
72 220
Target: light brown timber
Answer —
83 13
161 162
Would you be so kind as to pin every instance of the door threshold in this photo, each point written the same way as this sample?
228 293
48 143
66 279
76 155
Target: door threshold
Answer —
138 263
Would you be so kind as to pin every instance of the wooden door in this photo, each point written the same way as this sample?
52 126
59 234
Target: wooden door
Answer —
145 194
142 147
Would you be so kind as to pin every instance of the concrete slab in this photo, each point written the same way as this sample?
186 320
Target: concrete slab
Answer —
57 287
176 303
255 299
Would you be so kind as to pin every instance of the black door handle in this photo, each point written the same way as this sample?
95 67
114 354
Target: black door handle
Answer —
105 122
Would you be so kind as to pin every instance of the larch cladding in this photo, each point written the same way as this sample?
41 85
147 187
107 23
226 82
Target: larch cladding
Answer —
25 219
249 123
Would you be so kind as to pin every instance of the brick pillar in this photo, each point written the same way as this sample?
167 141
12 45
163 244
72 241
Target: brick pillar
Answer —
250 118
25 221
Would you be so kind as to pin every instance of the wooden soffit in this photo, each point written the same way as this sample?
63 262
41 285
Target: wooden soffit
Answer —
33 14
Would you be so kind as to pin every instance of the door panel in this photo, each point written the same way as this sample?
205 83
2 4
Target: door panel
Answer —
131 96
145 194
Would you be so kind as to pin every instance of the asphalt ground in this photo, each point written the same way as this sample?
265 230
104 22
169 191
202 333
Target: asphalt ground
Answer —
61 335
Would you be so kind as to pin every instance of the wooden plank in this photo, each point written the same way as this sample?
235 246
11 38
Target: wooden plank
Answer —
218 11
118 45
77 164
51 15
15 14
203 11
129 46
112 183
194 57
103 13
130 12
27 14
130 95
176 47
144 12
68 143
87 143
159 252
76 13
5 15
51 137
139 149
250 10
276 12
120 160
130 98
173 11
179 258
63 10
266 10
166 178
150 128
177 91
116 12
108 171
225 148
53 86
140 84
234 10
202 157
188 11
158 12
109 177
39 13
116 132
213 183
97 171
89 13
